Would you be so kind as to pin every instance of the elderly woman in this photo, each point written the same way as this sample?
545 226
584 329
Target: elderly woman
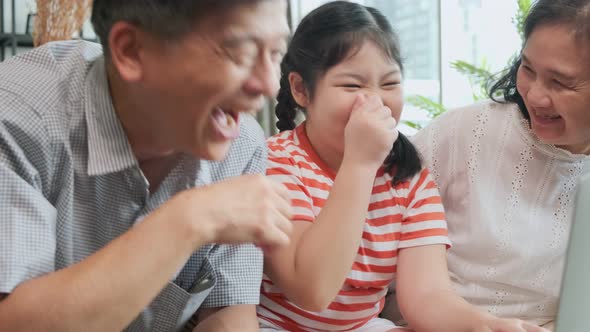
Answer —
508 168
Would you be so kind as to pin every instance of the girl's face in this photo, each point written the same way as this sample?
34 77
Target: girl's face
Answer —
369 71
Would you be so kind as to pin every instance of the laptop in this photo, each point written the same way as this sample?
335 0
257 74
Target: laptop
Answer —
574 304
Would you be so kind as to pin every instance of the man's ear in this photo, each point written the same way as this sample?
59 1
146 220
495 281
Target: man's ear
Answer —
298 90
126 45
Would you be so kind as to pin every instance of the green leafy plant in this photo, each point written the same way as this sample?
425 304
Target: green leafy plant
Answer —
479 75
432 107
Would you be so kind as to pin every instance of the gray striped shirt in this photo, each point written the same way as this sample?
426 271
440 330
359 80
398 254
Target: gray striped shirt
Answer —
69 184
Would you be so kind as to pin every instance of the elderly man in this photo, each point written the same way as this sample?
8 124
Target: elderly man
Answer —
112 212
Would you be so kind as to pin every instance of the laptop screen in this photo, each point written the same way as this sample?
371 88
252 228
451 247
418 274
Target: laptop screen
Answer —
574 304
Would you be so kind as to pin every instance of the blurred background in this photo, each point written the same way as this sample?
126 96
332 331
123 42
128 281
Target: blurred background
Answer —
449 46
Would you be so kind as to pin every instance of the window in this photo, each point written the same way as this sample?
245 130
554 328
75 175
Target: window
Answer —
476 31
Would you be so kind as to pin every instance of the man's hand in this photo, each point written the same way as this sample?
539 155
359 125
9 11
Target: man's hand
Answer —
245 209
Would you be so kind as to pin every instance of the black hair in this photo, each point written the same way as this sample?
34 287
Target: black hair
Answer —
573 13
167 19
324 38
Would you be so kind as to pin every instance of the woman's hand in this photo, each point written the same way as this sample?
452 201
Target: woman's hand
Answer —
508 325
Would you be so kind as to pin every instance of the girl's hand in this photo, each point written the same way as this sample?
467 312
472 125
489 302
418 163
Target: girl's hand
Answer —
370 132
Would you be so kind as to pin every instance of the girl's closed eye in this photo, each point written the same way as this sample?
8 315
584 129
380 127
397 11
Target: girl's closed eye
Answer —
527 68
391 84
350 85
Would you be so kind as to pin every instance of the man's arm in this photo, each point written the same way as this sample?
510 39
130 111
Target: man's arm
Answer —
103 292
106 290
233 318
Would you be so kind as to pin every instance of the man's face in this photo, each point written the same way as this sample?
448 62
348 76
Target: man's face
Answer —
197 87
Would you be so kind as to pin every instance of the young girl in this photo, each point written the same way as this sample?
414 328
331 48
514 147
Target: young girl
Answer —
365 213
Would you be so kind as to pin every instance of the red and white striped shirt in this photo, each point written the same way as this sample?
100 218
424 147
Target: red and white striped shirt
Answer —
406 215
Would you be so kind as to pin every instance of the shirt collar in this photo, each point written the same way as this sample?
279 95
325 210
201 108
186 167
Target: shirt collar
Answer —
109 149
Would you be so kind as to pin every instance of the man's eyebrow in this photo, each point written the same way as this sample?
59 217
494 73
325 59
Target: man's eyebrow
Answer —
238 40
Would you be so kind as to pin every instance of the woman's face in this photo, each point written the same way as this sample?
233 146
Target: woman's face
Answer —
554 82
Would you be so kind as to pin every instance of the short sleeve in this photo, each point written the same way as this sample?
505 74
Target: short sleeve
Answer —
282 168
27 218
424 220
257 164
238 275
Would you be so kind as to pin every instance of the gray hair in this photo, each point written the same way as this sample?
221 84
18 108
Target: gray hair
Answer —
166 19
